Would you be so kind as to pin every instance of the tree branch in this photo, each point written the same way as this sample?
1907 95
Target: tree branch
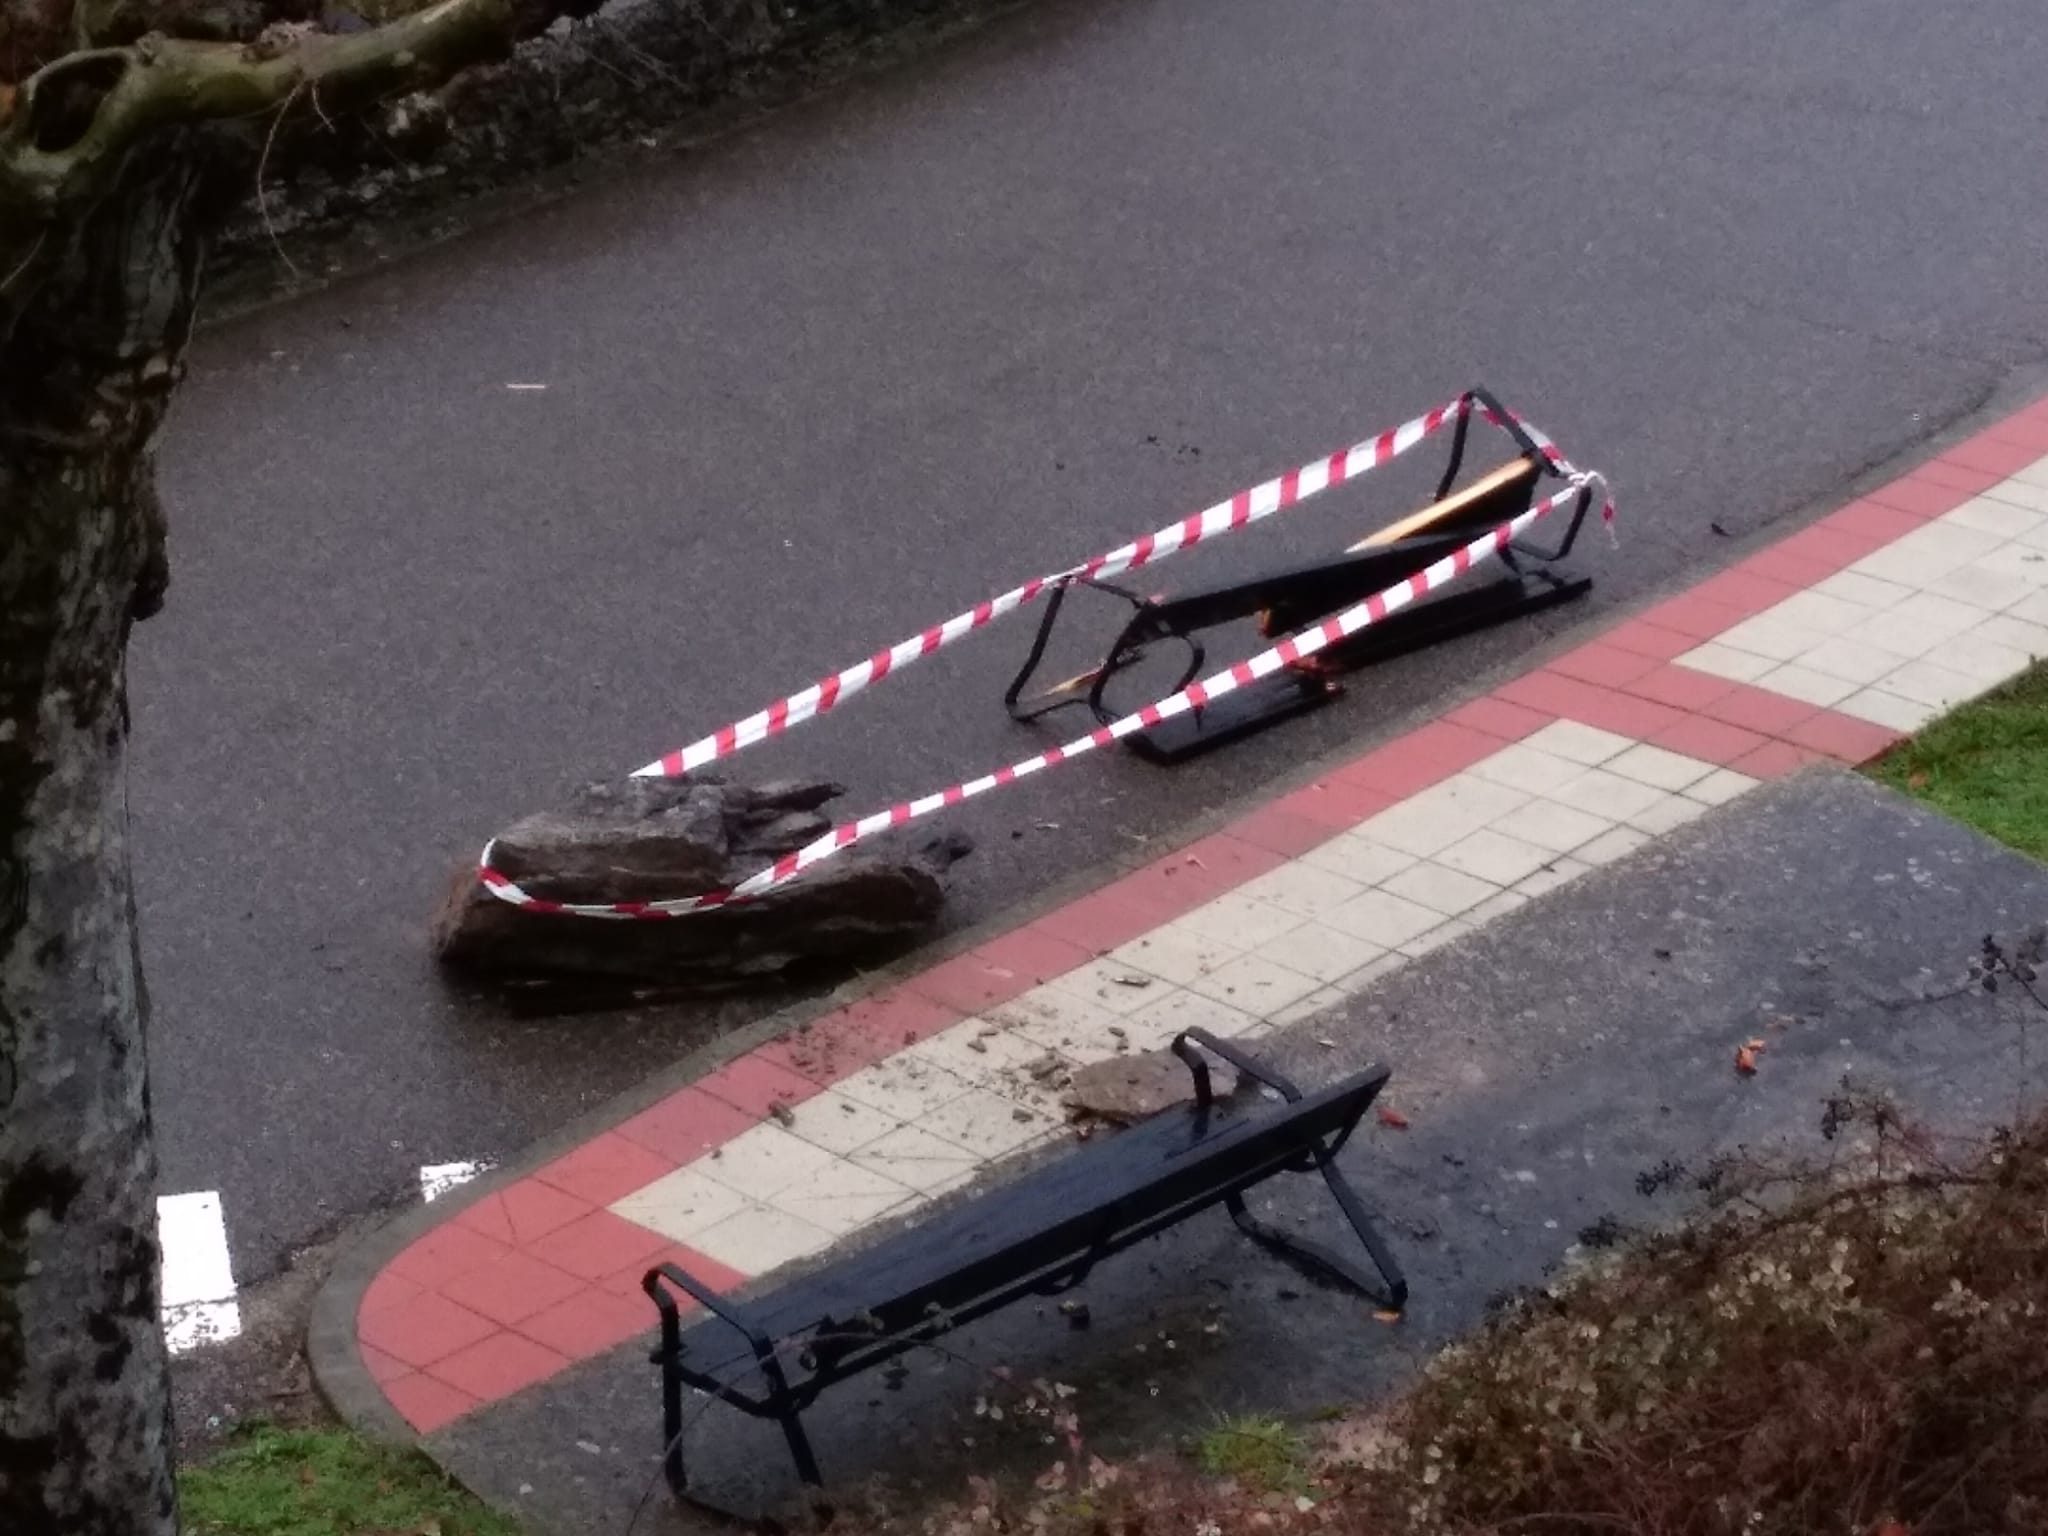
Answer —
77 117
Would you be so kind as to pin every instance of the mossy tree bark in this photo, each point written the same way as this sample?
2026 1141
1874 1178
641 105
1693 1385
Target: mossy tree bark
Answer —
115 164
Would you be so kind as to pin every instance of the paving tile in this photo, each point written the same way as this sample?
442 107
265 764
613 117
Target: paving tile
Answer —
919 1160
1744 589
423 1330
1257 984
985 1053
427 1404
1241 920
1709 740
1175 953
1765 636
1874 519
1322 1000
1440 888
1888 709
1921 622
1561 871
598 1245
1681 687
2033 609
767 1158
1645 639
684 1126
1759 710
1625 714
1844 738
1775 759
1976 656
1720 786
1926 683
388 1290
1380 917
2020 493
1555 827
1431 821
2007 629
1819 612
1987 514
904 1087
1700 617
1988 453
1931 490
1105 984
1806 685
681 1205
1154 1026
758 1238
1106 918
383 1368
844 1198
986 1124
1672 811
1658 767
1500 904
529 1210
1442 934
2024 563
1492 855
1616 843
1336 804
1606 793
1279 829
513 1286
1306 890
715 1277
1321 953
1528 768
1789 566
444 1254
497 1367
1608 666
1925 553
589 1323
1418 759
971 982
1726 661
1075 1027
755 1083
1864 591
1512 722
1357 857
865 1031
843 1125
1853 661
1367 975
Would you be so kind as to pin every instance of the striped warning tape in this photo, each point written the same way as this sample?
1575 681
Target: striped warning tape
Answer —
1246 507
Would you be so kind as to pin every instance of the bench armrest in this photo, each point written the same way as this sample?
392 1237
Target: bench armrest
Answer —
671 1318
1222 1050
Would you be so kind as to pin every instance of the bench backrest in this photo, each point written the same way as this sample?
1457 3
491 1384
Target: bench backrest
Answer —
1099 1198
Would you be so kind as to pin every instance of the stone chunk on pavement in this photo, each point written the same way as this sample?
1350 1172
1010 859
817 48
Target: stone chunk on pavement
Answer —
649 839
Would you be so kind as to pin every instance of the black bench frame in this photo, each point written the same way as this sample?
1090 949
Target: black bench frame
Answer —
986 1284
1289 600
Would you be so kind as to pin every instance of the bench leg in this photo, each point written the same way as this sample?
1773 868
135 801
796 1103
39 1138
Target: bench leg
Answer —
1388 1288
789 1417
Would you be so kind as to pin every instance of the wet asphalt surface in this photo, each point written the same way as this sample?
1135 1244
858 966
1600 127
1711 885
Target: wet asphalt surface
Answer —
1543 1068
841 374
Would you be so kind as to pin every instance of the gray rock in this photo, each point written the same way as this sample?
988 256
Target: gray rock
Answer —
652 839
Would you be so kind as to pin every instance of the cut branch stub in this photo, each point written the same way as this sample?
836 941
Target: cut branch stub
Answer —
651 839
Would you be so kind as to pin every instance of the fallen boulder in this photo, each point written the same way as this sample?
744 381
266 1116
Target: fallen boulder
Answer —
653 839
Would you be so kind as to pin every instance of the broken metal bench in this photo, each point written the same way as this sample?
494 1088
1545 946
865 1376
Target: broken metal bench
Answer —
1036 1235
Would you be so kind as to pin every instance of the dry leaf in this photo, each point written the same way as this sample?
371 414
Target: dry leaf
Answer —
1393 1119
1384 1316
1745 1060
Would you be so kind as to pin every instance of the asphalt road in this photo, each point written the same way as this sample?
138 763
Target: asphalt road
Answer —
841 374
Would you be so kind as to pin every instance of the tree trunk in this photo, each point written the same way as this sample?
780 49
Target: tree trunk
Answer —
86 369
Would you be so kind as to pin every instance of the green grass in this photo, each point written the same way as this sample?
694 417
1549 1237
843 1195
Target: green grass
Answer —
327 1482
1986 764
1261 1453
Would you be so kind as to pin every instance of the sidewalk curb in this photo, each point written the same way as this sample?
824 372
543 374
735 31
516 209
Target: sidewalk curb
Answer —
332 1341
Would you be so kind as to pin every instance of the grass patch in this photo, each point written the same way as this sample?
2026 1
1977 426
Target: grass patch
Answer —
1264 1454
1985 764
327 1482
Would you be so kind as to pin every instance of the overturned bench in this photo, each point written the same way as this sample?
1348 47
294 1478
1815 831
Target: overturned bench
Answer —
1036 1235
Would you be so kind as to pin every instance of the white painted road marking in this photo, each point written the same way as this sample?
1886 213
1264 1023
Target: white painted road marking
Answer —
198 1279
436 1179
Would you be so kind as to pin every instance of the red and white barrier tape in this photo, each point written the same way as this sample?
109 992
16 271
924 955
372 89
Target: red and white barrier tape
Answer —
1287 652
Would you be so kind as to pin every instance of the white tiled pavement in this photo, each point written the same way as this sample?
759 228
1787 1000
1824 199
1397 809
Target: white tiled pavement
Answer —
1278 949
1932 619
